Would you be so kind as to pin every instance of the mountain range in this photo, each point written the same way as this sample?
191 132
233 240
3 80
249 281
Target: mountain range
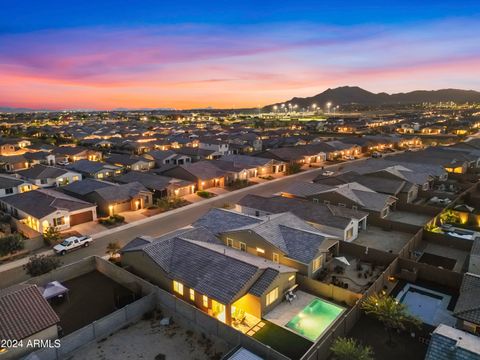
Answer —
347 95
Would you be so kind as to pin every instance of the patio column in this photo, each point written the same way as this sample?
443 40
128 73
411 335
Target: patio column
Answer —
228 314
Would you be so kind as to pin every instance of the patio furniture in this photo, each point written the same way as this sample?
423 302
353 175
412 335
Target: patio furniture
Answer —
54 290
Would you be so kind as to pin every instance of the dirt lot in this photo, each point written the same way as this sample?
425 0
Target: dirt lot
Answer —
147 339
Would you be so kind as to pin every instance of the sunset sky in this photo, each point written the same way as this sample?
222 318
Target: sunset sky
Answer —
152 54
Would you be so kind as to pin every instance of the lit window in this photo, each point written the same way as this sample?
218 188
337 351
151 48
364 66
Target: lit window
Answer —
292 277
205 301
76 178
272 296
192 294
243 246
276 258
317 263
178 287
229 242
59 221
260 250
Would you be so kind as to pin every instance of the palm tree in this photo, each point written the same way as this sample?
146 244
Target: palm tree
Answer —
113 248
349 349
393 314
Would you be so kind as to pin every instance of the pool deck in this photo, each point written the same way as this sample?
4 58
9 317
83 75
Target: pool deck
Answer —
284 312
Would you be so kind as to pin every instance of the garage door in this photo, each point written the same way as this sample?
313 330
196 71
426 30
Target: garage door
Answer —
81 218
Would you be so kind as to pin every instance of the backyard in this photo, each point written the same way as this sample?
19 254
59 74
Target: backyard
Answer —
90 297
147 339
372 333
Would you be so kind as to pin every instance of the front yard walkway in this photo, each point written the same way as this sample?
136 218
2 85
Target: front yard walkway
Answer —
217 190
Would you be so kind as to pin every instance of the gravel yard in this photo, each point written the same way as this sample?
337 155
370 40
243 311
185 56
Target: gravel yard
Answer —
147 339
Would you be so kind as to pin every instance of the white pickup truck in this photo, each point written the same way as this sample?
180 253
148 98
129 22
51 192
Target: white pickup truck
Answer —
72 243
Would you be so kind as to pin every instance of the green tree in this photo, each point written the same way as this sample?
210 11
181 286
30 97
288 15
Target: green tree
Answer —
41 264
349 349
10 244
391 313
113 248
293 168
51 235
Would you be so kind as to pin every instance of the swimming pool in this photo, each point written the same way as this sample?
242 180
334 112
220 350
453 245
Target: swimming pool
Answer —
315 318
428 305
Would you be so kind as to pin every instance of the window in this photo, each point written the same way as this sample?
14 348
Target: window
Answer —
260 250
192 294
326 202
9 191
43 181
243 246
317 263
76 178
354 207
178 287
229 242
257 213
276 258
272 296
205 301
59 221
100 175
291 277
349 233
315 200
341 204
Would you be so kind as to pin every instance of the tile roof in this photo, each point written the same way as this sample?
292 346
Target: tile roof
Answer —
24 312
119 193
42 172
42 202
468 303
84 186
220 220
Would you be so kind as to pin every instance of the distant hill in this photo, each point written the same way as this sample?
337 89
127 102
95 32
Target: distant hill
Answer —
347 95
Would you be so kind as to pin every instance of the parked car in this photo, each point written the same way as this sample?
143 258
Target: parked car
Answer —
328 173
376 155
63 163
72 243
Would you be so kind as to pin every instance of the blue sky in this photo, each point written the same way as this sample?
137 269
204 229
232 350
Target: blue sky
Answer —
106 54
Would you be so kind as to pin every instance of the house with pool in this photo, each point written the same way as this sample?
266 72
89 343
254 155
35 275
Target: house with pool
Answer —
235 287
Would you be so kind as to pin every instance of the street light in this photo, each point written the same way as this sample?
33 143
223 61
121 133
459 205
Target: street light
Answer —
329 104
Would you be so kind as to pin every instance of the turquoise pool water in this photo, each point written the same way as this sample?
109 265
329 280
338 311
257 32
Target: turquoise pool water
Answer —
314 319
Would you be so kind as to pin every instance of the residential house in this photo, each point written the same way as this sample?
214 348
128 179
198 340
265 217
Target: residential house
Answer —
467 308
25 316
282 238
197 154
397 186
203 173
75 153
261 166
40 157
95 169
48 176
13 163
167 157
218 146
232 286
160 186
44 208
336 221
11 185
130 162
109 197
447 343
351 195
309 154
9 147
